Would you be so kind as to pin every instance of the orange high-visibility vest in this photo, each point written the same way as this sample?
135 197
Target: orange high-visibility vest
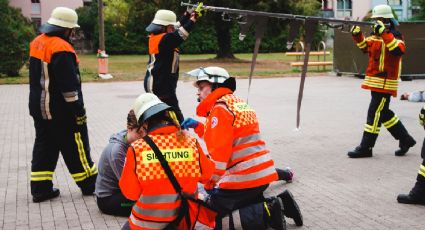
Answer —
43 47
231 133
384 67
143 179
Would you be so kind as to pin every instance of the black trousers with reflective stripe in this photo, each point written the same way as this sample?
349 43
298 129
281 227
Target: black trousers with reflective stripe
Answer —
61 135
419 188
379 113
224 201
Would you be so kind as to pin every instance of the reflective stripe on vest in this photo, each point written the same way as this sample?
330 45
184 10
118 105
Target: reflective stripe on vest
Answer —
381 83
244 165
246 139
154 212
248 177
247 151
147 224
155 199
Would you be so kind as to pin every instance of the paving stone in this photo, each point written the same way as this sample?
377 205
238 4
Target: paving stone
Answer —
334 192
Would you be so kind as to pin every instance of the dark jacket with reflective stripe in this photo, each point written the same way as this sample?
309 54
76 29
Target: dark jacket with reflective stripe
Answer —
55 86
163 66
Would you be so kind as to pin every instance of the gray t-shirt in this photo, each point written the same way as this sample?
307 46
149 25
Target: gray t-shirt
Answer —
110 165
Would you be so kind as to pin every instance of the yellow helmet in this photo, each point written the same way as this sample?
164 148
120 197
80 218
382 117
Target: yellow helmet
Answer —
382 11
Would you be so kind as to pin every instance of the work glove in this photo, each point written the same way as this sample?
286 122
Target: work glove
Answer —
355 30
379 27
189 123
422 117
197 11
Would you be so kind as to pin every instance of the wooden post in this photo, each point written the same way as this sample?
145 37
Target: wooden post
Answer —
101 26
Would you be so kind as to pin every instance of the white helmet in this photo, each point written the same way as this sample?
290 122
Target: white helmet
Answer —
64 17
382 11
212 74
162 18
147 105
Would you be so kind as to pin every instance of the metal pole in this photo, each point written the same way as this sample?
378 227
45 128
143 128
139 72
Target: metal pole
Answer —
101 26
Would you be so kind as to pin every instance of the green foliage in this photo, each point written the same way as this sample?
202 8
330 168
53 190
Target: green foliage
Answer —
125 23
87 19
421 12
16 33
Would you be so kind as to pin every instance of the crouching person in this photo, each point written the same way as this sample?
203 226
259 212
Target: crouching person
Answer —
110 199
243 166
145 180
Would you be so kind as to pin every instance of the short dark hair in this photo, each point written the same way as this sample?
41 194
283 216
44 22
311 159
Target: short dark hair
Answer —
132 120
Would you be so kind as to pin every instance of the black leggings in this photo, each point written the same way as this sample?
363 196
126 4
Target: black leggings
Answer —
115 204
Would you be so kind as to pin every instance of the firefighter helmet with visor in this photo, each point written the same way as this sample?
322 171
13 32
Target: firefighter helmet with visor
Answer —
147 105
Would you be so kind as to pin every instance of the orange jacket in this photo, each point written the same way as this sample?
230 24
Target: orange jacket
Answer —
384 66
143 179
232 136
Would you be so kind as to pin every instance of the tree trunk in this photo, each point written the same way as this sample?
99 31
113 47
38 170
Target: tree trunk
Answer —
222 29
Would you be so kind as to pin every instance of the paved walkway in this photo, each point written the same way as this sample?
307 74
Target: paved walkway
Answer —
334 192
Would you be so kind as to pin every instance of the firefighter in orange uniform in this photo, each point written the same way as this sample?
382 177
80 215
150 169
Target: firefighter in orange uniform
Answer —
385 48
144 180
243 166
57 107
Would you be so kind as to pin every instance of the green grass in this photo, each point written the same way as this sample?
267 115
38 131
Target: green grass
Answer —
133 67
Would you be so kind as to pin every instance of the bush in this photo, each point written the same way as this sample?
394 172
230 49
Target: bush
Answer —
16 32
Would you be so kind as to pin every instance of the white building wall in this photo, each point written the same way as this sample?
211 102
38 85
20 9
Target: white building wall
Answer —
45 7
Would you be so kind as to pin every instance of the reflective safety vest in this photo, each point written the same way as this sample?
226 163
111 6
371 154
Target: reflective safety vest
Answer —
384 67
144 179
233 139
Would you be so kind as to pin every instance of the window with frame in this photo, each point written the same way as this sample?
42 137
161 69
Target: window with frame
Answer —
395 2
344 8
35 7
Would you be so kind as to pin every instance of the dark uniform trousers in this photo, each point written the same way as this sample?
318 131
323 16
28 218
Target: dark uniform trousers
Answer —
419 188
61 135
379 113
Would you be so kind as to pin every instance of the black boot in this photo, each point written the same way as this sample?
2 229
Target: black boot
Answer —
36 198
410 199
405 146
290 207
285 174
275 219
87 186
399 132
360 152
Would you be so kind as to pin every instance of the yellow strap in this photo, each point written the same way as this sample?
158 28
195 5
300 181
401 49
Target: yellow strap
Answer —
82 153
391 122
266 208
42 172
41 178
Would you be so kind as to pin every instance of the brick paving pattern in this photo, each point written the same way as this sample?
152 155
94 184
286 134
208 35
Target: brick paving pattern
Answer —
334 192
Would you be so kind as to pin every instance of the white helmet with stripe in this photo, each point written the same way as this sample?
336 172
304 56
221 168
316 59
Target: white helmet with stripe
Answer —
211 74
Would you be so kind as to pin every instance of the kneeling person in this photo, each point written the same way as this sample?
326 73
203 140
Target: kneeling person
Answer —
110 200
243 166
